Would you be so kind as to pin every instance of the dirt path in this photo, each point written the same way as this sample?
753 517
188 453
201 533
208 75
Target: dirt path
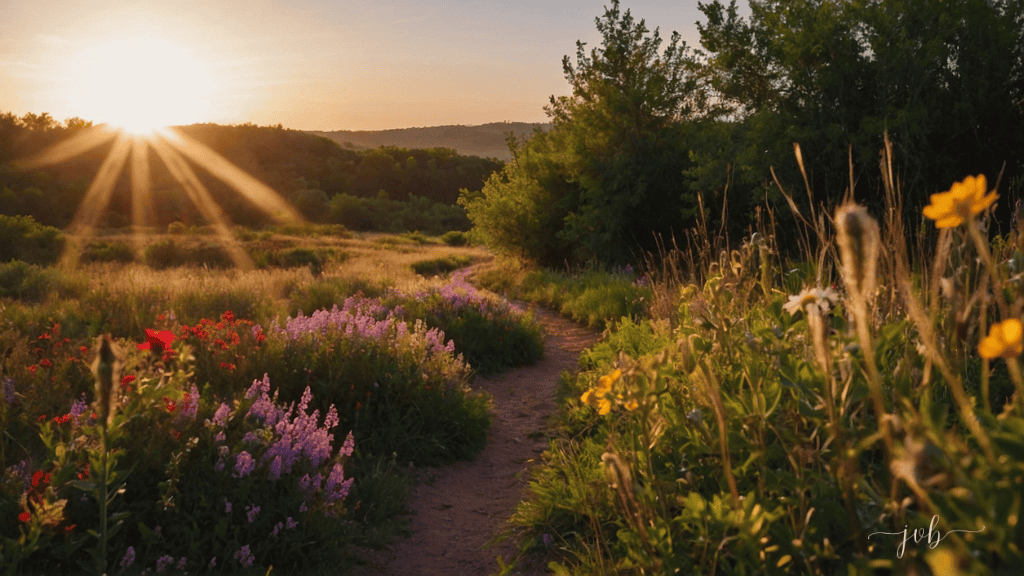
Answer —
456 509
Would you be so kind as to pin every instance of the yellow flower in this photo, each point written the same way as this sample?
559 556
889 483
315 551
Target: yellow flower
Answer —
948 208
1003 340
598 395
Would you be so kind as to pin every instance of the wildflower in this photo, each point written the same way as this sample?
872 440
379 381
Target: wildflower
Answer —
964 198
77 409
227 506
181 564
163 562
820 299
129 557
1003 340
45 363
598 396
213 562
275 468
251 511
107 369
157 341
858 239
220 417
289 523
8 391
24 517
190 403
243 464
32 368
228 316
244 556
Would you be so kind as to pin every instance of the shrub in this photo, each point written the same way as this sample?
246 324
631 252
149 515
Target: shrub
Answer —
22 238
440 265
454 238
108 252
32 283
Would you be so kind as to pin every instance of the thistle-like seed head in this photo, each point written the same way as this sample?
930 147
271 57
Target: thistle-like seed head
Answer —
106 367
858 239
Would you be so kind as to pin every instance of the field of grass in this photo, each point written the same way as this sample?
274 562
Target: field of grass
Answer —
278 408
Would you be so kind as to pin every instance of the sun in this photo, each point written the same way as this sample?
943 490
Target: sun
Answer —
139 84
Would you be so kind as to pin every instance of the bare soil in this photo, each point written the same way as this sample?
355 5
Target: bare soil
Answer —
456 510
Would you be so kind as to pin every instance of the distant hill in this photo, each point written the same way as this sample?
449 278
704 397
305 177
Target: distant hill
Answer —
486 140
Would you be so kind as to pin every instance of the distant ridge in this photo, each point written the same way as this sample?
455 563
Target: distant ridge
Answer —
486 140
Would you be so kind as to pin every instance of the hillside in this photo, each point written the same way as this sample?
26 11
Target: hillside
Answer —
486 140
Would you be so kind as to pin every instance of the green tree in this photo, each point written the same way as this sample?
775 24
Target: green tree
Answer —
623 132
609 176
945 79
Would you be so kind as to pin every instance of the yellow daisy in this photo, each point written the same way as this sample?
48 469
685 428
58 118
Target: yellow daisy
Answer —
947 208
1003 340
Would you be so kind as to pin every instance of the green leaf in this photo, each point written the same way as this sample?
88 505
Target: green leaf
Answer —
83 485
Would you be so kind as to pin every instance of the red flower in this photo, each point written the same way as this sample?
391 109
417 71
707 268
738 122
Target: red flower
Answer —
70 528
83 349
36 477
56 328
229 315
160 318
46 480
228 366
169 404
359 405
127 379
24 516
45 363
45 336
32 368
41 418
157 341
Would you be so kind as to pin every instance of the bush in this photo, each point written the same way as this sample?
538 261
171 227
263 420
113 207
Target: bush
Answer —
177 228
22 238
32 283
168 254
454 238
440 265
108 252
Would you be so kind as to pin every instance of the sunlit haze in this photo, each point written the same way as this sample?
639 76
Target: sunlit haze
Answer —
310 65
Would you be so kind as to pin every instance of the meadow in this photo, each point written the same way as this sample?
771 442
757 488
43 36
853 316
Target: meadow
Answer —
853 409
165 410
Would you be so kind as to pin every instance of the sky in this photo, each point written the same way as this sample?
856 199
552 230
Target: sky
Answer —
306 64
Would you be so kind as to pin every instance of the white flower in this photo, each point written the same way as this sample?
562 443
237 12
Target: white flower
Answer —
823 300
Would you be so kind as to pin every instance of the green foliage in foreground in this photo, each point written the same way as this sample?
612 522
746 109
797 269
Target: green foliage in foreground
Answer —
440 265
755 432
405 397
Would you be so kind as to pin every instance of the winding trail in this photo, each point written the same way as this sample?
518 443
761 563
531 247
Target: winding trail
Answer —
456 509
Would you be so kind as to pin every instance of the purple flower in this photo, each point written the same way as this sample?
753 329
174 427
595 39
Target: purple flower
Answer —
244 556
337 486
213 562
348 446
243 465
9 392
289 523
189 407
219 438
129 557
548 539
78 408
181 564
220 417
251 511
163 562
275 469
227 506
277 528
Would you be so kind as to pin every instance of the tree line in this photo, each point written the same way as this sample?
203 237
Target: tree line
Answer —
652 139
316 174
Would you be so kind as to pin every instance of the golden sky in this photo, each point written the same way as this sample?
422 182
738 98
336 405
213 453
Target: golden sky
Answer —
306 64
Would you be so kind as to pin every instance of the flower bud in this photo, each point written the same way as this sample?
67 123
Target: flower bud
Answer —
858 239
106 367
